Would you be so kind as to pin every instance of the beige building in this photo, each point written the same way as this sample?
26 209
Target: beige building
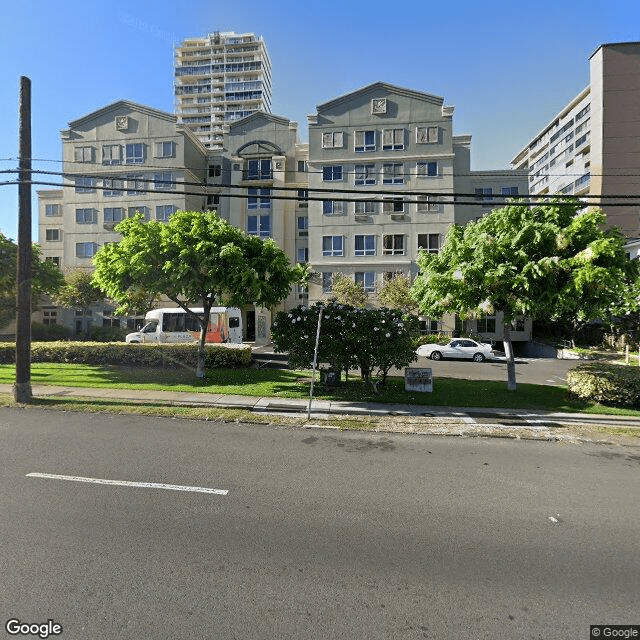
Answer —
220 78
592 147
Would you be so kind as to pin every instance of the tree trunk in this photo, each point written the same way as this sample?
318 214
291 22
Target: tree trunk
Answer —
204 325
511 364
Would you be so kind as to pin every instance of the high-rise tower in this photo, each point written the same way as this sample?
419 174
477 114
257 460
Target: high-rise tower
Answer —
220 78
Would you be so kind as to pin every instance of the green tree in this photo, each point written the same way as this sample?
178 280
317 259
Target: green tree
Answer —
195 259
345 291
544 262
395 293
46 278
78 290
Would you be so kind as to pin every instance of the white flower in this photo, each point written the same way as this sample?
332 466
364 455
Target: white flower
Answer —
375 329
388 335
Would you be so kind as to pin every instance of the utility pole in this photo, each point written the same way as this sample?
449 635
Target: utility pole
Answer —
22 387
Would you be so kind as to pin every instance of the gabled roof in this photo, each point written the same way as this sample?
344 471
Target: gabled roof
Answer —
260 115
118 106
386 87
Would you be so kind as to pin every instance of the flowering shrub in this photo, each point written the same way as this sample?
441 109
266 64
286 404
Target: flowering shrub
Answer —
609 384
372 340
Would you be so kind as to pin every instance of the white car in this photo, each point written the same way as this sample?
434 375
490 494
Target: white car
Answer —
457 348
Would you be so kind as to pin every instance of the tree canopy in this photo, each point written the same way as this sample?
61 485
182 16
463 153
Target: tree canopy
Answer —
544 261
46 278
195 259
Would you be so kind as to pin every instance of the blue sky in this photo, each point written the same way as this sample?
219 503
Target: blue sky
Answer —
507 67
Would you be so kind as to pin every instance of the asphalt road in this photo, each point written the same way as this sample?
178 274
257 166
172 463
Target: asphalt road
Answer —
549 371
322 534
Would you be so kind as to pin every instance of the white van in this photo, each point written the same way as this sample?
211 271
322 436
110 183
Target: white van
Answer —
175 325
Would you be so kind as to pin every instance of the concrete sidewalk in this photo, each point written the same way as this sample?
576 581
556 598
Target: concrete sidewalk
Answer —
508 418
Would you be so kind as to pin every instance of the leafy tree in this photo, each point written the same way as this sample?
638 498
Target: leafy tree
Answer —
78 290
195 259
544 262
374 340
395 293
46 278
345 291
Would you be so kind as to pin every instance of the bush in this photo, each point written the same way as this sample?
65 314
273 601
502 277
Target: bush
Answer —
170 356
609 384
107 334
42 332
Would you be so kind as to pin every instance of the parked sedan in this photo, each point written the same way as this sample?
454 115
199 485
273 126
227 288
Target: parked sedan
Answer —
457 348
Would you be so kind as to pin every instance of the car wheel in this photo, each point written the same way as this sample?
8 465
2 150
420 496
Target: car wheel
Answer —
478 357
436 355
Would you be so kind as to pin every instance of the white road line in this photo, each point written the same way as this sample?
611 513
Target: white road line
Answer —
127 483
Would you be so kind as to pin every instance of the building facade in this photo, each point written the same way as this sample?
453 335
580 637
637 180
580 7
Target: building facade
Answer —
592 147
220 78
382 178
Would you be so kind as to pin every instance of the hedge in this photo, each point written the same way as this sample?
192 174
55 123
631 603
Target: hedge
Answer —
169 356
609 384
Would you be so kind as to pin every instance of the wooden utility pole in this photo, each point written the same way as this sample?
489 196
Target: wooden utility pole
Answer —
22 387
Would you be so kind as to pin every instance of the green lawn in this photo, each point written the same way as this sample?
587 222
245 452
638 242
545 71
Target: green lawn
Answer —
293 384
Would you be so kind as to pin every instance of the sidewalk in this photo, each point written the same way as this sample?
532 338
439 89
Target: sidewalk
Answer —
507 418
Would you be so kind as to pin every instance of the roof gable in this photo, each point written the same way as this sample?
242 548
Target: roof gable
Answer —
119 106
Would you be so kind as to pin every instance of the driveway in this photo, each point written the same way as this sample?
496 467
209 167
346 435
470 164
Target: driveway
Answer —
549 371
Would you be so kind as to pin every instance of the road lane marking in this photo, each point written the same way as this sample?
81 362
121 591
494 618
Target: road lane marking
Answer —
128 483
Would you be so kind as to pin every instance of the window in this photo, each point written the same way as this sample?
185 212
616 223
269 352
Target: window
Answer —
166 149
83 154
327 281
426 205
132 211
484 193
163 181
429 325
393 245
215 170
332 208
259 225
509 191
303 223
259 169
393 205
429 242
392 139
364 207
85 185
49 316
113 214
135 153
365 174
427 135
365 140
517 324
332 173
111 154
213 200
332 246
164 211
332 140
52 210
52 235
86 216
303 196
427 169
365 245
302 166
112 187
86 249
302 254
486 324
367 279
258 198
54 259
393 173
134 183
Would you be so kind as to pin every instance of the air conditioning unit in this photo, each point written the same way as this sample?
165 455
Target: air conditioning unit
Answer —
361 217
397 216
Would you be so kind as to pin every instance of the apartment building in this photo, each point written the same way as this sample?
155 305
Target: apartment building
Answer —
592 146
220 78
391 169
382 177
120 160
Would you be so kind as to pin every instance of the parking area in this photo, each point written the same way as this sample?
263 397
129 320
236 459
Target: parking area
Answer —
550 371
